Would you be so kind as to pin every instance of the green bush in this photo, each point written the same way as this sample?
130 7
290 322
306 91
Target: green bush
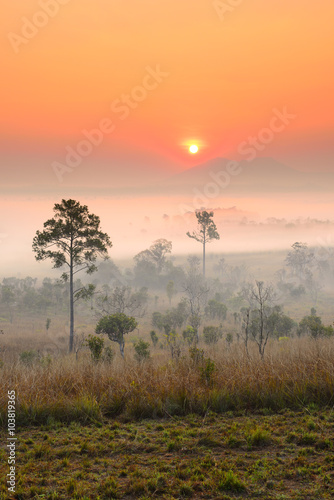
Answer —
312 325
229 338
95 345
189 335
215 309
108 354
46 360
142 349
207 371
197 355
29 357
154 337
211 334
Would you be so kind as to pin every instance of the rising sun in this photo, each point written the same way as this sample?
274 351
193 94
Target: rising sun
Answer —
193 149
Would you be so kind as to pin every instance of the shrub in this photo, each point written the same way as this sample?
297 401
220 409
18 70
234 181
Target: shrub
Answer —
142 349
197 355
189 335
207 371
95 345
108 355
211 334
229 338
154 337
313 326
46 360
173 342
29 357
215 309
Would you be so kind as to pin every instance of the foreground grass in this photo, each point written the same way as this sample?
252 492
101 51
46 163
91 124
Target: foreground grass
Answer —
294 375
281 456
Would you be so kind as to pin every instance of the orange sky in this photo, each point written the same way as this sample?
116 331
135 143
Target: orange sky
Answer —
221 78
225 76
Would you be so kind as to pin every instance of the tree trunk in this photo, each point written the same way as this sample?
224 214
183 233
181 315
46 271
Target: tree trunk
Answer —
121 347
71 306
204 254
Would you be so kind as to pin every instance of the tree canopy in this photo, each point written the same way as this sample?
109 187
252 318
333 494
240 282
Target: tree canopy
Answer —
72 239
116 326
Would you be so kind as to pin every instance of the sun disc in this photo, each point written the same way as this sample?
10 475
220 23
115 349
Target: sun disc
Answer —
193 149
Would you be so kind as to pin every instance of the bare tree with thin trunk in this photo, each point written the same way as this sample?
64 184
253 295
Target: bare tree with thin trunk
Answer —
196 292
260 298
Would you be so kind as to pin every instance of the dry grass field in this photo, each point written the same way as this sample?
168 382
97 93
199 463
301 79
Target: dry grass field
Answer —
217 426
294 374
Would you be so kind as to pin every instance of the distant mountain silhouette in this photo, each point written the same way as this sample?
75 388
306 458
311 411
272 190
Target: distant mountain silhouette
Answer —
259 176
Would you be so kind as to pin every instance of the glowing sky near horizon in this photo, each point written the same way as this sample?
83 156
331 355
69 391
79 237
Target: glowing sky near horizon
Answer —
158 77
225 76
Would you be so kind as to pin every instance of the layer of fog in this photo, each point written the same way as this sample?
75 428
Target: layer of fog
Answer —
245 225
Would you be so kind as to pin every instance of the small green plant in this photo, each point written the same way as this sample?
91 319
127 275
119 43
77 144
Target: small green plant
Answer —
233 442
307 439
109 488
95 345
173 342
173 445
186 490
196 355
207 371
108 354
311 425
142 349
230 482
41 450
229 338
29 357
65 462
71 486
46 360
47 324
154 337
189 335
258 437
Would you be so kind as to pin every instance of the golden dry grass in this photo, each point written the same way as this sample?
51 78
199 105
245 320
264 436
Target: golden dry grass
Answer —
296 374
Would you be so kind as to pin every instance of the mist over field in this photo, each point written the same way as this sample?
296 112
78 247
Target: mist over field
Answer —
262 206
